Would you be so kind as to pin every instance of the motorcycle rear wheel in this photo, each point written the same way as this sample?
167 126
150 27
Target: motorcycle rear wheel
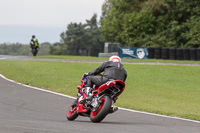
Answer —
72 115
103 111
34 52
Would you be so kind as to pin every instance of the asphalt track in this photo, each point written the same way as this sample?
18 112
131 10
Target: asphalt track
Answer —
25 109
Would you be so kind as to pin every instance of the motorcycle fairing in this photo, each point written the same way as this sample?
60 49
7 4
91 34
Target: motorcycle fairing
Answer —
111 83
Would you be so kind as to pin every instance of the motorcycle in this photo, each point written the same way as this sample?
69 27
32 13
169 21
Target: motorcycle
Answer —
34 50
98 107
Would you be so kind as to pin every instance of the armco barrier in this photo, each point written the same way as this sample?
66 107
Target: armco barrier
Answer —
174 53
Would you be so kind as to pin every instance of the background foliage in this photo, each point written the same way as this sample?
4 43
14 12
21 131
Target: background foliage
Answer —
20 49
152 23
80 39
132 23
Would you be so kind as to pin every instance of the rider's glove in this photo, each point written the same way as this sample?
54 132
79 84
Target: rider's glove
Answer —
85 74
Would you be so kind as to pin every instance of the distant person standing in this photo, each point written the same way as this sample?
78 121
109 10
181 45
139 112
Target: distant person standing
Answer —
34 44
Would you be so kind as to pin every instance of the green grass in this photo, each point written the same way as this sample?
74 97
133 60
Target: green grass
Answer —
129 60
169 90
71 57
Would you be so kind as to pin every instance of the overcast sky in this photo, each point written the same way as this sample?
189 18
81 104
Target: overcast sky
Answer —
40 17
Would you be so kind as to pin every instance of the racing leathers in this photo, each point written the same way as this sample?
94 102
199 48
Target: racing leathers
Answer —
112 71
34 43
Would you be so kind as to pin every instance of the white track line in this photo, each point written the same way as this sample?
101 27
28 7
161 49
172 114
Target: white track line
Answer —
130 110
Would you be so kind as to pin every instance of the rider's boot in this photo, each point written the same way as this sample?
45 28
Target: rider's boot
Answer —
76 101
113 109
89 95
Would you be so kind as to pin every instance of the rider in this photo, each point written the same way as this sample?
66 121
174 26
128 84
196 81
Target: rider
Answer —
113 70
34 42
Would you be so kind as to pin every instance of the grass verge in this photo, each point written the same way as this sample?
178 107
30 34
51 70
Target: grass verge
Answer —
127 60
169 90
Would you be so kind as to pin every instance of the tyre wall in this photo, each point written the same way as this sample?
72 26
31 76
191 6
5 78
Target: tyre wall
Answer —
174 53
151 53
157 53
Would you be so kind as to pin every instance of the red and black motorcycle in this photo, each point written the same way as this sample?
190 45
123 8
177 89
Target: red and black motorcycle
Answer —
102 99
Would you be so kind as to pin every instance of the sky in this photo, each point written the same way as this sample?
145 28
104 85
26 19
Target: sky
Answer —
47 19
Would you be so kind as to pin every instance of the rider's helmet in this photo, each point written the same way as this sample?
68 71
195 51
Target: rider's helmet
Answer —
115 58
33 36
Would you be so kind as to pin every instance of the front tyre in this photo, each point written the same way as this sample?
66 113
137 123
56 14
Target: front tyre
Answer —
103 110
72 113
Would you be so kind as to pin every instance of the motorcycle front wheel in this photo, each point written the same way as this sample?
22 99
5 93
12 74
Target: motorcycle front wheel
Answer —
72 113
103 110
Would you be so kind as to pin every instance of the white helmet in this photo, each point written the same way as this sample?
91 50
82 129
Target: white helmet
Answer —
115 58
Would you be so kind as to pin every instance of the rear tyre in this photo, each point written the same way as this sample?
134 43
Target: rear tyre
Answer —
104 109
34 51
72 113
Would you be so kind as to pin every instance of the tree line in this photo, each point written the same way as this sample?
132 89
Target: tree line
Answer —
152 23
132 23
80 39
21 49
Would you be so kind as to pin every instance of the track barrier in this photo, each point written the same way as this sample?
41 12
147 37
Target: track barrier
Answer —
174 53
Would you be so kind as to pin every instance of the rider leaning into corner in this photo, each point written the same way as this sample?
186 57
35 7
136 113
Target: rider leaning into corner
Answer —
34 42
113 70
